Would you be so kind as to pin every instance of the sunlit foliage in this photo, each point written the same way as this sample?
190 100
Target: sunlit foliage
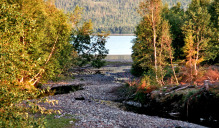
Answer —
34 47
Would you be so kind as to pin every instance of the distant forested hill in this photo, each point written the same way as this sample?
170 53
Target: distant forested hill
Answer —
116 16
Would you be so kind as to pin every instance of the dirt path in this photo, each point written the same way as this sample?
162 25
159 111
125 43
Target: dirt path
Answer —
94 107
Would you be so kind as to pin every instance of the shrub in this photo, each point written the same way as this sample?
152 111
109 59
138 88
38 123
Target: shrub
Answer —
211 74
204 73
34 39
137 70
141 88
13 111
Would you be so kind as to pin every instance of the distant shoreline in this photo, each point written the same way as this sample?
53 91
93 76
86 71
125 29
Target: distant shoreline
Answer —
119 58
119 54
122 34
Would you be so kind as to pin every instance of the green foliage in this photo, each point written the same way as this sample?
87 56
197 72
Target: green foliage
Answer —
189 49
137 70
188 94
53 122
175 17
11 113
34 48
33 43
142 55
116 16
198 31
140 89
141 97
153 41
98 63
90 47
150 76
104 13
200 20
213 47
17 111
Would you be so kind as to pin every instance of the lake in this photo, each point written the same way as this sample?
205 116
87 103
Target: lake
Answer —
119 45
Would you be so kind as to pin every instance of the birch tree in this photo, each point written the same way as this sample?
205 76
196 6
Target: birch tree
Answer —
150 10
166 42
198 24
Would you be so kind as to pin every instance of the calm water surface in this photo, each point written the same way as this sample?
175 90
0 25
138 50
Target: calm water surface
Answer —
119 45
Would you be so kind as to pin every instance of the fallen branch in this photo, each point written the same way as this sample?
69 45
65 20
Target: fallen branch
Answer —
182 88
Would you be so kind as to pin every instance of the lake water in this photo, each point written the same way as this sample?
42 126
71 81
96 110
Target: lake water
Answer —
119 45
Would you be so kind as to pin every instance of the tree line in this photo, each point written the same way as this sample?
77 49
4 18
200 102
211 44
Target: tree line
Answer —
115 16
166 37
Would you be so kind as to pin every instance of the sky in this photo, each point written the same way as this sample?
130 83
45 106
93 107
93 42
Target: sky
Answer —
119 45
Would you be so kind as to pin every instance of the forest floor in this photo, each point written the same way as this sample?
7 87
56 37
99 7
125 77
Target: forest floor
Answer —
94 106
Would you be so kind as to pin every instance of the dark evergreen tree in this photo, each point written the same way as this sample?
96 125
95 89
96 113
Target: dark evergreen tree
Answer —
213 47
175 16
198 23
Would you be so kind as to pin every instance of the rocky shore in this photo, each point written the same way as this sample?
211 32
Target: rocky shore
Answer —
94 106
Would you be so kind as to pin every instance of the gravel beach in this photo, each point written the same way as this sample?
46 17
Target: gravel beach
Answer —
94 107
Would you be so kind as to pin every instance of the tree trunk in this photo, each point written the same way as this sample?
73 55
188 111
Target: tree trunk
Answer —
154 42
190 65
174 73
160 64
196 60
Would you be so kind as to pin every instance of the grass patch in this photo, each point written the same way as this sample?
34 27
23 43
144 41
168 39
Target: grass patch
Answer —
62 122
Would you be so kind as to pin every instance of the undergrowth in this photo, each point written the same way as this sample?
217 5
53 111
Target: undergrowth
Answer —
54 121
191 100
